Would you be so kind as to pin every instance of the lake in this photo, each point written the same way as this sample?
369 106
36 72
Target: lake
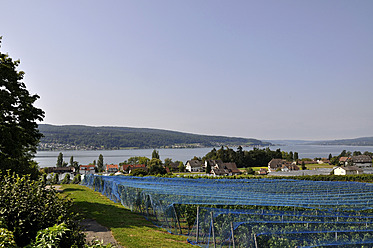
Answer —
49 158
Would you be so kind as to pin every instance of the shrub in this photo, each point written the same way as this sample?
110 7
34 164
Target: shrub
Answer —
6 236
55 178
66 179
76 179
138 172
26 207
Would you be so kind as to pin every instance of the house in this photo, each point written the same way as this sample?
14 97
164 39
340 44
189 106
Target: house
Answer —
230 168
112 168
87 169
347 170
275 163
174 166
289 167
361 161
218 172
194 165
343 161
323 161
127 167
220 168
136 166
263 171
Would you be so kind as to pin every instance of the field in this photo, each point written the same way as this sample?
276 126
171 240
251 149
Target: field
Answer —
129 229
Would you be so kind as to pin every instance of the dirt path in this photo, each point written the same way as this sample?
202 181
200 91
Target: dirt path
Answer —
95 231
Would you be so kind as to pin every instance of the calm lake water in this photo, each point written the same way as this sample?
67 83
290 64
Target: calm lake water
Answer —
49 158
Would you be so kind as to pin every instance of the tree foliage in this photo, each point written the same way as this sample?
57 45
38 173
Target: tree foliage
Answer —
254 157
19 134
27 206
155 154
100 163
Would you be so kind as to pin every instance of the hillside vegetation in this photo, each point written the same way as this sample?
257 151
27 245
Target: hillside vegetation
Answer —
364 141
125 137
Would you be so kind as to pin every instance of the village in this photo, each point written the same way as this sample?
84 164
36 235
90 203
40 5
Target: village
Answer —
352 165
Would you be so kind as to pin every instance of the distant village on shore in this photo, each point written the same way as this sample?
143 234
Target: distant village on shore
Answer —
351 165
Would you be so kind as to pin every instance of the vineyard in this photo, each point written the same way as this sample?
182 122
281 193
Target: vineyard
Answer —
249 212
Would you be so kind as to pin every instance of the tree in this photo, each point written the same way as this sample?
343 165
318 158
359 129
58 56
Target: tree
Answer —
167 162
19 134
208 168
59 160
330 157
291 156
304 166
71 161
155 154
181 167
296 156
55 178
156 167
100 163
356 153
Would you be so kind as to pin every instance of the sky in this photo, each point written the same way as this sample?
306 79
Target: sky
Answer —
271 69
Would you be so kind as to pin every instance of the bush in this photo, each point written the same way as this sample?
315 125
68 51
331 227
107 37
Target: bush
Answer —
76 179
26 207
55 178
138 172
6 236
66 179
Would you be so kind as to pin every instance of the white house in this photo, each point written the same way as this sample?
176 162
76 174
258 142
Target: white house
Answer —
194 165
347 170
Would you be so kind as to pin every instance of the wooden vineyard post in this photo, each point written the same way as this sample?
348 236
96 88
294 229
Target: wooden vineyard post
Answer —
234 246
177 219
213 229
197 233
255 242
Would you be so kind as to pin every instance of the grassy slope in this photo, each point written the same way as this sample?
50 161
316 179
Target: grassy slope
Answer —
129 229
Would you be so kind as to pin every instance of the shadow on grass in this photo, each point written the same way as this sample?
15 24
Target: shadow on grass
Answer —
111 216
71 190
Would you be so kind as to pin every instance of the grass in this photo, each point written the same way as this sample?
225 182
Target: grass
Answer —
128 228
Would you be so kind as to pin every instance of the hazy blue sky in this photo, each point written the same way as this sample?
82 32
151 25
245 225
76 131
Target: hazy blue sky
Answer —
262 69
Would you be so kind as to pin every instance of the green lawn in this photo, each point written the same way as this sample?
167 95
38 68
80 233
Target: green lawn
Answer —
129 229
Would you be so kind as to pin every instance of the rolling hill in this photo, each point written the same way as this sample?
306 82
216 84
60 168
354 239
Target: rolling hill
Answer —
364 141
88 137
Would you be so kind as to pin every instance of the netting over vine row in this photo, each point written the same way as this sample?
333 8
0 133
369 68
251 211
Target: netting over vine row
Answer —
316 209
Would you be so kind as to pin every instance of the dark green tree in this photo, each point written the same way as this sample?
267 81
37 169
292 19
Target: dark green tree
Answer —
304 166
19 134
100 163
208 168
59 160
356 153
72 161
296 156
291 156
156 167
330 156
155 154
181 167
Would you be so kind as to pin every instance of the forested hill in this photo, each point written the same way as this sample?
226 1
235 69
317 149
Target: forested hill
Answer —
365 141
88 137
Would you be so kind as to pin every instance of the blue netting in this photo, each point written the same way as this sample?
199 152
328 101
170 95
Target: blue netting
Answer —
319 210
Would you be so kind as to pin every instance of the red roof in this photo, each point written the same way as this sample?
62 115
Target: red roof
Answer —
112 166
87 166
